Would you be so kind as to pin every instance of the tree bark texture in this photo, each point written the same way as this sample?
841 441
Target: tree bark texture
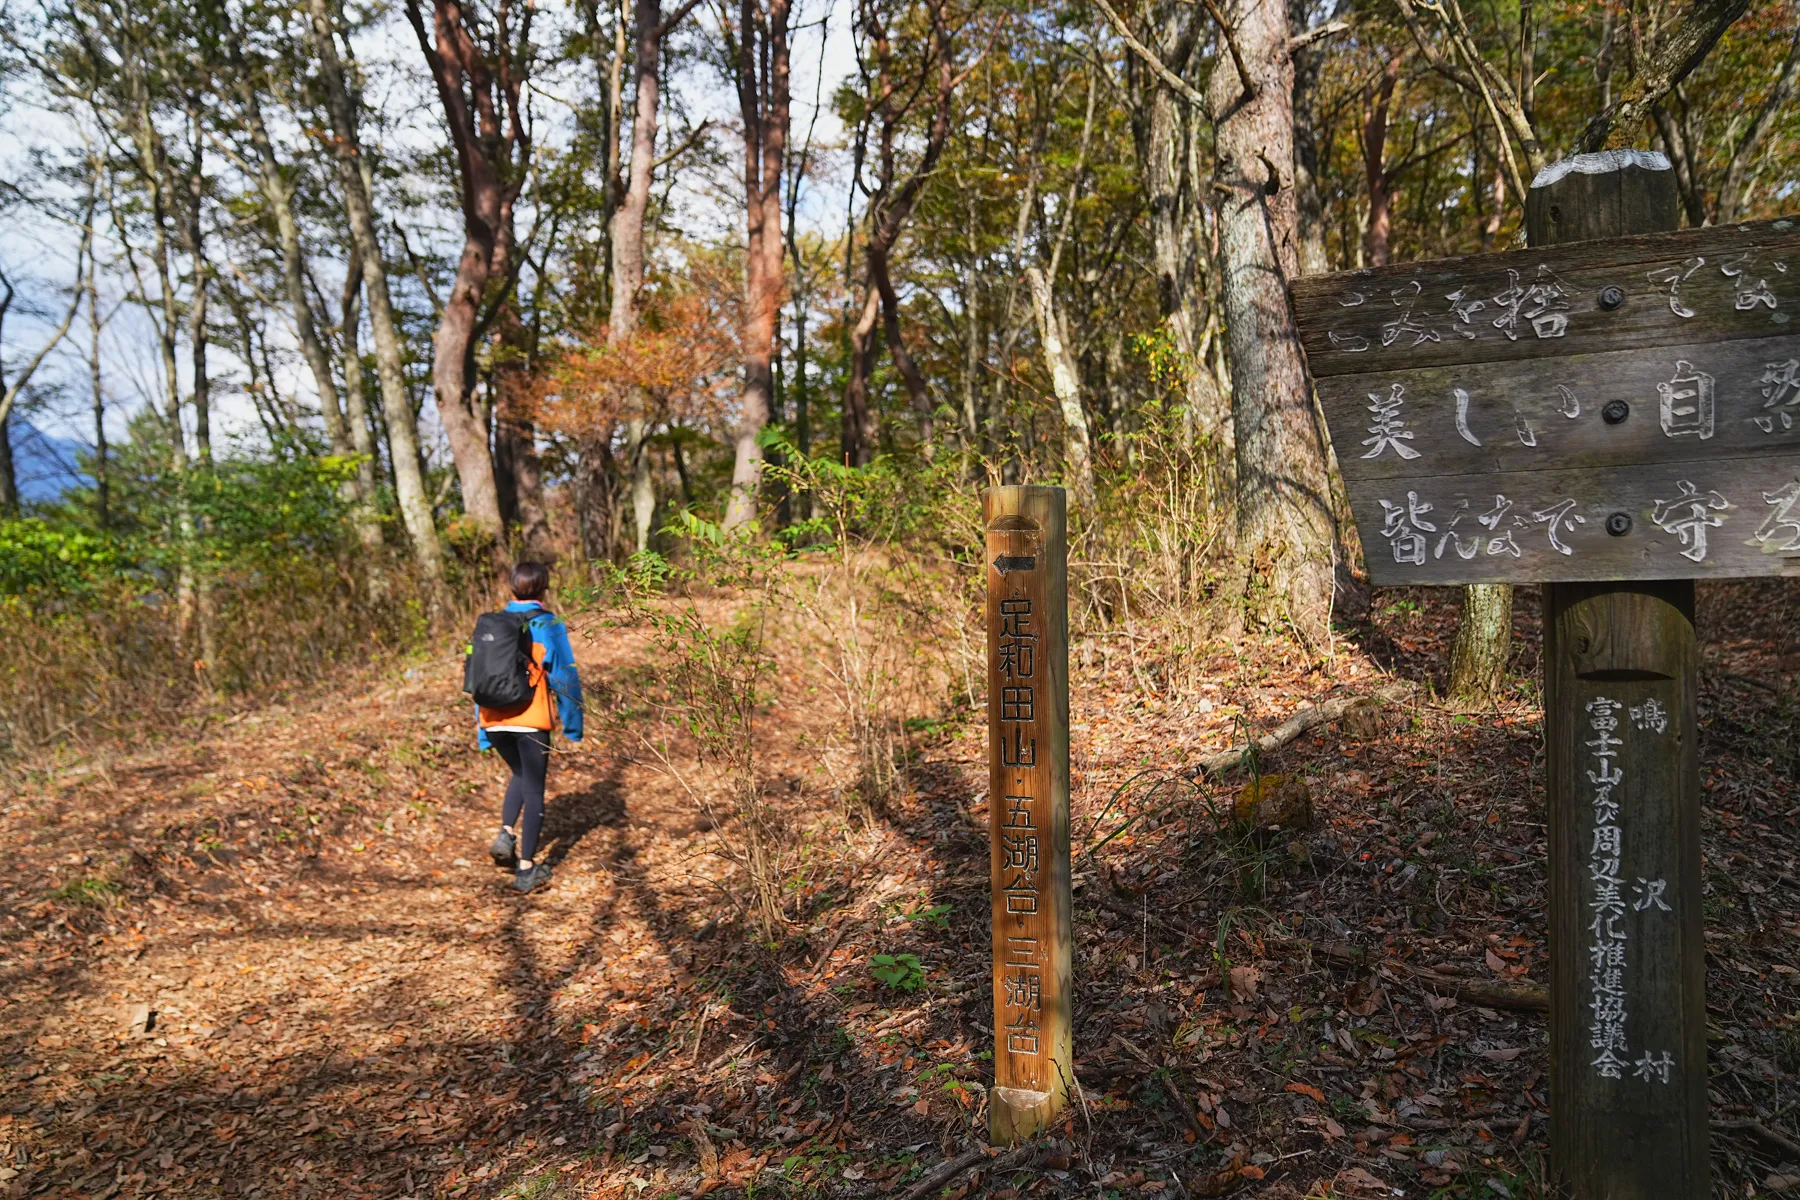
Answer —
1285 523
628 256
356 406
390 364
1065 381
481 98
1166 136
763 100
1309 64
1483 642
860 424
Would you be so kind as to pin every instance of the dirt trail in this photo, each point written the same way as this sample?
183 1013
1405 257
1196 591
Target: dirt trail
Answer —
345 1000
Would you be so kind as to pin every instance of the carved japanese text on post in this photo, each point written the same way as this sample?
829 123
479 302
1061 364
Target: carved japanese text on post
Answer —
1028 806
1617 409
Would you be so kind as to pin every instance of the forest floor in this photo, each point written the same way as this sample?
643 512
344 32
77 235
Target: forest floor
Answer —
273 960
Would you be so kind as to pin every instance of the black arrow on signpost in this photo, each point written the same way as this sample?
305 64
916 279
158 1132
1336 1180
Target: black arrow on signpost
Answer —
1015 562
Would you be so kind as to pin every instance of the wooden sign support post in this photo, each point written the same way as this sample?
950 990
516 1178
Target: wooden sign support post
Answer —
1028 806
1628 1117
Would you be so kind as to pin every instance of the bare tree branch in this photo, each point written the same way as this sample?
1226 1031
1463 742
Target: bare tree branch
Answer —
1170 80
1684 48
1731 190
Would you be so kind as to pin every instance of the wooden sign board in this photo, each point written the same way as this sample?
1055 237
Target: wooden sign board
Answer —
1028 806
1617 409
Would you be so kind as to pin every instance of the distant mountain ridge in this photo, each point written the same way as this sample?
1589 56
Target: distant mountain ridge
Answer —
45 465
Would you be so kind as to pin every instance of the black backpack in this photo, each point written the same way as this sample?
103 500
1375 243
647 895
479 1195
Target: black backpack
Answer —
497 672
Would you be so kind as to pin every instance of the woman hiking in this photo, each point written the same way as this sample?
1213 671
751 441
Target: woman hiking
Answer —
521 672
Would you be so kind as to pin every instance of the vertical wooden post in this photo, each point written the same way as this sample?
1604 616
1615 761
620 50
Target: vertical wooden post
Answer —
1028 806
1628 1107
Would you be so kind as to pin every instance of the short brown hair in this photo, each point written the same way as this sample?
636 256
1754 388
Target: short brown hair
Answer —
529 579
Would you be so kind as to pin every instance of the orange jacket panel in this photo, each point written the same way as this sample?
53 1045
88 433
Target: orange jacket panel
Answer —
537 713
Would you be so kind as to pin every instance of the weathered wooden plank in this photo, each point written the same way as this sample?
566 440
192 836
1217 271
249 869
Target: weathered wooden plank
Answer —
1627 956
1695 401
1665 521
1028 807
1693 286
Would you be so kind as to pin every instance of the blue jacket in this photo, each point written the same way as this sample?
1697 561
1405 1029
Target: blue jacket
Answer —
559 666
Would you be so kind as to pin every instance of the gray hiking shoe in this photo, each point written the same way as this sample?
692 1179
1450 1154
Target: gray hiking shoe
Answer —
505 850
536 877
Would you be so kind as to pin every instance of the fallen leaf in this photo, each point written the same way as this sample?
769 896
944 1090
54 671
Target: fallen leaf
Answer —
1244 982
1306 1089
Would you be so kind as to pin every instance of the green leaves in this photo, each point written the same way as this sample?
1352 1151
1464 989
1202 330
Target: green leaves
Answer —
35 556
898 972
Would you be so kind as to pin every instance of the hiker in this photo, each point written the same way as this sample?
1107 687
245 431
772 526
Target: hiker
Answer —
521 673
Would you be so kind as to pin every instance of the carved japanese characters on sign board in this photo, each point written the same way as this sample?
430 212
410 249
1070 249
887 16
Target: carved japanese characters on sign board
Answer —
1600 410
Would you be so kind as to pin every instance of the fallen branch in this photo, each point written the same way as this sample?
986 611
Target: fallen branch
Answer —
1307 716
1763 1134
945 1173
830 949
730 1052
1519 997
899 1019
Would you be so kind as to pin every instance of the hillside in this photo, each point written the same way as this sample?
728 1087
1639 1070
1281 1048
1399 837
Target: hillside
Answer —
274 961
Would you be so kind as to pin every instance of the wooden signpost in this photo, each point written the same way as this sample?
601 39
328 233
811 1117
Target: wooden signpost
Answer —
1613 412
1028 806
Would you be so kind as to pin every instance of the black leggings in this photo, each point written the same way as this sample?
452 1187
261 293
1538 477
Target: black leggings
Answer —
528 754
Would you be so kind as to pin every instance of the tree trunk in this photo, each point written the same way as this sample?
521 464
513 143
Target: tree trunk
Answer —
201 401
763 100
1378 227
1065 380
9 480
515 441
390 366
102 484
338 431
356 408
1286 528
916 393
628 257
484 142
1170 183
1309 63
1478 659
859 430
643 482
151 166
596 498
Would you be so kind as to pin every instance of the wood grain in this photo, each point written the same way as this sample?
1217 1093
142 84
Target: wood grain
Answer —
1541 414
1401 317
1028 806
1753 534
1628 1093
1639 1136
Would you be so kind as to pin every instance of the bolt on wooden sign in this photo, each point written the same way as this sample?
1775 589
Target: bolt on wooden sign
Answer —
1617 409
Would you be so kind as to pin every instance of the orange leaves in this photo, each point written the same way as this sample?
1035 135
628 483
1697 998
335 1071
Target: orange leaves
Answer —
1306 1089
677 366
